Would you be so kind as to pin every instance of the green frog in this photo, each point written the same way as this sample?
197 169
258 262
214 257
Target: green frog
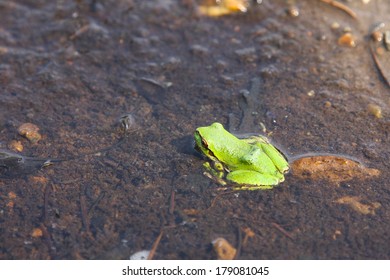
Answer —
250 164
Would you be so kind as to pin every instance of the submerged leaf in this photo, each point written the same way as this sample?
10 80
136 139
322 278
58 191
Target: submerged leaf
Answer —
331 168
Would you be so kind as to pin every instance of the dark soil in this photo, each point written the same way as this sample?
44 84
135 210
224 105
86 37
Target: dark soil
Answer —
73 68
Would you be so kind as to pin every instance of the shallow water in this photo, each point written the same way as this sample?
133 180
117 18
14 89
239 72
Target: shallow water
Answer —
74 69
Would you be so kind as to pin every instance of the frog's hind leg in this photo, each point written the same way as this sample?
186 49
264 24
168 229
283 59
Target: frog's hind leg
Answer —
251 188
252 180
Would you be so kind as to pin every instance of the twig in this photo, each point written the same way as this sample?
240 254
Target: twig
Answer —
48 190
152 82
80 31
341 6
215 198
96 202
239 245
172 203
282 230
83 208
155 245
378 65
43 227
47 236
248 233
171 209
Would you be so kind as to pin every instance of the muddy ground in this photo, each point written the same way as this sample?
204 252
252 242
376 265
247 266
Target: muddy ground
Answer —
73 68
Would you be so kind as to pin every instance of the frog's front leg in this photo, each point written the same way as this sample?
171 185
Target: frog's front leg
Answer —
215 173
252 180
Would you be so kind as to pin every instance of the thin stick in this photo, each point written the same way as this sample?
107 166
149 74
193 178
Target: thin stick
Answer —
155 245
217 197
239 245
83 207
282 230
95 203
172 204
378 65
43 226
341 6
48 190
80 31
48 239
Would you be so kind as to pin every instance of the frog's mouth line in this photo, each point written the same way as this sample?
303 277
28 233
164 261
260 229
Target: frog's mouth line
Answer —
202 149
199 150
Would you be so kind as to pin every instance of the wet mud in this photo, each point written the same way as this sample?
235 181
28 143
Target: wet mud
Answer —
75 68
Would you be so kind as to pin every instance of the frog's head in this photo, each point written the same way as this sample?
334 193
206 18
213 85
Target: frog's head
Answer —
201 144
204 139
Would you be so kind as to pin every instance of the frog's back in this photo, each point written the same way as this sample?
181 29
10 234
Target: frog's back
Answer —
231 150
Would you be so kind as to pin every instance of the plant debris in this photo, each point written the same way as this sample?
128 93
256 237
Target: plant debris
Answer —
380 50
224 250
30 131
355 204
223 7
331 168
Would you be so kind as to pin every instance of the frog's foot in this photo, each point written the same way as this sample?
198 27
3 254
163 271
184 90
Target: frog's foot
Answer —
254 179
216 179
215 173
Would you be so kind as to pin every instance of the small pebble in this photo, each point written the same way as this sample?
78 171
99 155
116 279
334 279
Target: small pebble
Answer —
311 93
199 50
224 250
387 39
246 54
335 25
374 110
328 104
377 36
12 195
37 232
235 5
347 40
293 11
347 29
141 255
16 146
336 234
